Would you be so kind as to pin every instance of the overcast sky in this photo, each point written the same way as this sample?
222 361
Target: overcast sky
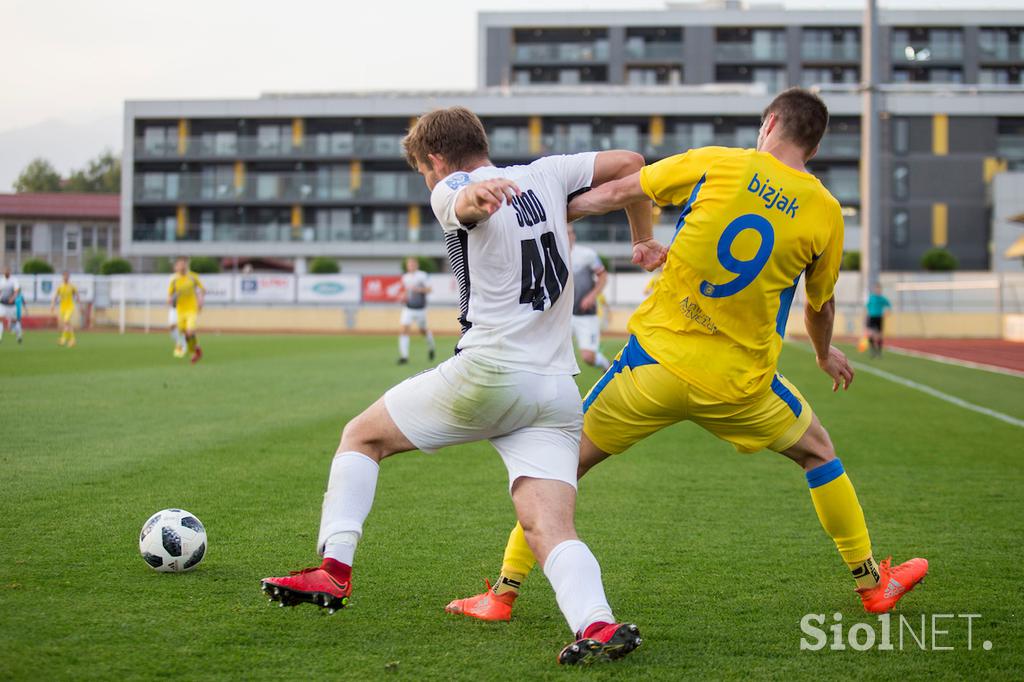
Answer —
68 65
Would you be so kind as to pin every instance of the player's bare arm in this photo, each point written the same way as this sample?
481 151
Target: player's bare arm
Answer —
831 360
479 200
626 193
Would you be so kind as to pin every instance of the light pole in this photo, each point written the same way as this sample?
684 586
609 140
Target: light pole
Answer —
870 150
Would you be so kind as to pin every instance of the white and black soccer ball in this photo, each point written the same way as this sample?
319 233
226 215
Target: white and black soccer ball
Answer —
172 540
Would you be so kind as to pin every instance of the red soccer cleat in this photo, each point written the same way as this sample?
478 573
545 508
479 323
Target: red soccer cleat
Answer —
893 584
198 355
606 642
311 585
487 606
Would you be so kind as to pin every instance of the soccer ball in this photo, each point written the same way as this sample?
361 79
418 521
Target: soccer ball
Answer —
172 540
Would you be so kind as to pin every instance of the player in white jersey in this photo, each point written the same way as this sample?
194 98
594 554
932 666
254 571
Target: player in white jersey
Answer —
415 287
9 290
510 381
589 277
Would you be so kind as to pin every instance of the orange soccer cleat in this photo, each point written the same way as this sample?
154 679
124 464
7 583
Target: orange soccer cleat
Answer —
893 584
486 606
600 643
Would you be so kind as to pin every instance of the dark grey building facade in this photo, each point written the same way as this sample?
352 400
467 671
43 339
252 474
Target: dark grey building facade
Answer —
296 176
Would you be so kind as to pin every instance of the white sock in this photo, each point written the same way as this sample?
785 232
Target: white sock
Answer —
347 502
403 346
1 330
342 547
17 329
576 578
601 361
430 339
175 337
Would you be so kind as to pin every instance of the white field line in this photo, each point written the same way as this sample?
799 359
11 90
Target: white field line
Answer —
934 392
946 360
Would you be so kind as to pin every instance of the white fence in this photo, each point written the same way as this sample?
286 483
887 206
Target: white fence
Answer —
908 292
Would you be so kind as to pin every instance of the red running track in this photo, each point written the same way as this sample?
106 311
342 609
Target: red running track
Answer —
996 352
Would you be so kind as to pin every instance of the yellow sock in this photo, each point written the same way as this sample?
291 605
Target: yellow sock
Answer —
63 337
516 564
841 516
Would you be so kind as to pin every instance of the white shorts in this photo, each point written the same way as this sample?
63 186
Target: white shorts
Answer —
587 330
417 316
534 421
8 312
172 317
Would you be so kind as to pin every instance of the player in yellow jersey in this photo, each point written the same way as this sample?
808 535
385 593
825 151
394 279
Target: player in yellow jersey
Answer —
704 345
185 293
66 295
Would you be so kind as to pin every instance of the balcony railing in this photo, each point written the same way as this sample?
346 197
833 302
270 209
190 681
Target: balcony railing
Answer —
282 187
1003 52
902 53
1010 146
840 144
845 187
313 146
654 51
542 53
751 52
354 232
830 52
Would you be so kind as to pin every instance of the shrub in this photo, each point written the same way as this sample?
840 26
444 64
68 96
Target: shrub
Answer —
92 261
204 265
427 264
938 260
163 265
36 266
322 265
115 266
851 260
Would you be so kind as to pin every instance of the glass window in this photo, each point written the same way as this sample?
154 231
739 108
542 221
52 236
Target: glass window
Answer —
569 77
268 186
901 135
11 238
900 228
900 182
26 238
71 241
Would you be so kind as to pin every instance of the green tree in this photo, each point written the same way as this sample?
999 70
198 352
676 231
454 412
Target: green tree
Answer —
323 266
851 260
163 265
92 260
115 266
102 174
204 265
938 260
36 266
38 176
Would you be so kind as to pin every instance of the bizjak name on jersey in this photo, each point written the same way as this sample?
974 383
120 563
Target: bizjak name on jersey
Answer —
773 198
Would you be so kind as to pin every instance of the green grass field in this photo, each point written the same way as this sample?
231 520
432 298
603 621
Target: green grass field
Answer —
715 555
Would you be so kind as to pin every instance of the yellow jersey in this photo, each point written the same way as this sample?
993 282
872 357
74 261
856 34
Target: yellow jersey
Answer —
749 228
66 295
183 289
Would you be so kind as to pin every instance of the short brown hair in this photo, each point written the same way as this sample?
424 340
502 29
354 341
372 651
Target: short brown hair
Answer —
454 133
802 115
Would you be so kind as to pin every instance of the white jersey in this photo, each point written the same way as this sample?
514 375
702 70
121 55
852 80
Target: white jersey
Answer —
415 300
8 288
585 265
513 273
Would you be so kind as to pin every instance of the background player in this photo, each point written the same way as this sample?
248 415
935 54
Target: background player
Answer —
67 296
9 291
186 293
705 344
589 278
414 293
877 307
510 381
172 324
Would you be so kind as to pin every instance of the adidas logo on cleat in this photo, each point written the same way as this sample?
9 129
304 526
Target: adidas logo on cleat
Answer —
894 589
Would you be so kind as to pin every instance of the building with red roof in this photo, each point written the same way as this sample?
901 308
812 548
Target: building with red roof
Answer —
58 227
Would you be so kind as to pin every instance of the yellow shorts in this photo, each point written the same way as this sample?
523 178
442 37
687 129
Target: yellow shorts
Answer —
66 313
637 397
187 320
